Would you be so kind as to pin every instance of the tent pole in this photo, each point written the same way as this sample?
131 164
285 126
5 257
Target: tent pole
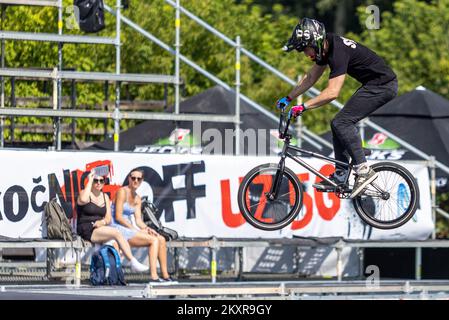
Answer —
55 107
106 108
237 95
2 102
432 166
177 66
73 102
117 114
59 83
13 105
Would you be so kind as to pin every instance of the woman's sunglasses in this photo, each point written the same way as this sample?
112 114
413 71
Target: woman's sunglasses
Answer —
136 178
101 181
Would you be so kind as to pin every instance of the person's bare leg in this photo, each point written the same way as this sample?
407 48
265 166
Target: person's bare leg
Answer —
142 239
116 246
104 234
163 256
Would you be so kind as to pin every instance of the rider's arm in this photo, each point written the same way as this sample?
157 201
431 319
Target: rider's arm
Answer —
327 95
307 81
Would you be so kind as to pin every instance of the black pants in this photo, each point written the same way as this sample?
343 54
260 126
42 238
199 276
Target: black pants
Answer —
365 101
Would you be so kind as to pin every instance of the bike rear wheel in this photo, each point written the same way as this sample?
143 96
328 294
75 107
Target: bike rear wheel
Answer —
255 204
389 201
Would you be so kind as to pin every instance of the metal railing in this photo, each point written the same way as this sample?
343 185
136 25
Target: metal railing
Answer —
87 76
311 138
44 3
48 37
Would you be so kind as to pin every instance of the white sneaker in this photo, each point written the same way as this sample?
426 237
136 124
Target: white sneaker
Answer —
362 180
136 266
110 242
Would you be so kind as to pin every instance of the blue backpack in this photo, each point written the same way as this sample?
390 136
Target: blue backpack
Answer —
106 268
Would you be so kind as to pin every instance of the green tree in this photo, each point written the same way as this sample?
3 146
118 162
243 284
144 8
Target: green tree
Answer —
404 41
414 40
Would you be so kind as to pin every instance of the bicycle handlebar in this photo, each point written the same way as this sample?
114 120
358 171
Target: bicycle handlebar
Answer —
282 118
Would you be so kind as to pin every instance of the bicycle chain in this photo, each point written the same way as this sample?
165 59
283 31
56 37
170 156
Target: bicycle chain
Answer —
342 192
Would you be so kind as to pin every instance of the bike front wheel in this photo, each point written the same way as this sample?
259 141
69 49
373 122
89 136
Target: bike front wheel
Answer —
389 201
263 210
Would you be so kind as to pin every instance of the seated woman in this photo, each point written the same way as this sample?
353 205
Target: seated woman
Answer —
94 217
127 204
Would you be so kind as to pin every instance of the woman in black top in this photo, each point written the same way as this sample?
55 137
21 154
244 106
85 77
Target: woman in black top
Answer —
94 217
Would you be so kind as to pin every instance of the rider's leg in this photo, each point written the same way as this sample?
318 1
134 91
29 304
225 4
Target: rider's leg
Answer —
364 102
340 154
339 175
339 150
344 128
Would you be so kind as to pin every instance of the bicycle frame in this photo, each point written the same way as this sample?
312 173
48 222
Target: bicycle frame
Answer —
287 154
283 208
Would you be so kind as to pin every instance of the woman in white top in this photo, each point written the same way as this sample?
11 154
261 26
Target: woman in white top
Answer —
128 203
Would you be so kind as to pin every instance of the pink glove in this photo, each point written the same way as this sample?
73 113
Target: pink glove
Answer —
296 111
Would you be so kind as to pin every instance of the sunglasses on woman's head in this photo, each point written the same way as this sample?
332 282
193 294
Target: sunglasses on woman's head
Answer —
136 178
99 181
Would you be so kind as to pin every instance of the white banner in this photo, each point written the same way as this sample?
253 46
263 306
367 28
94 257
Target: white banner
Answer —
196 194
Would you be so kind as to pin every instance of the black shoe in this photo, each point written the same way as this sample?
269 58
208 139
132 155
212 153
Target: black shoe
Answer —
157 280
326 186
169 279
362 180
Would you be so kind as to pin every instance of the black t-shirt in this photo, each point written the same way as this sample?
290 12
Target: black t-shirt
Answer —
364 65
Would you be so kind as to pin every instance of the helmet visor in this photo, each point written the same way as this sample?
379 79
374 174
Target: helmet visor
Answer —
294 44
296 41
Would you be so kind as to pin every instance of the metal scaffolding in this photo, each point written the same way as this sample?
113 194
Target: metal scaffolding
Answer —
58 75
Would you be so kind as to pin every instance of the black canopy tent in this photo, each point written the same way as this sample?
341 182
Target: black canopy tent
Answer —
420 118
217 101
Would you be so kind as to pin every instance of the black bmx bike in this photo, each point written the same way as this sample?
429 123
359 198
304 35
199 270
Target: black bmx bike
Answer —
270 196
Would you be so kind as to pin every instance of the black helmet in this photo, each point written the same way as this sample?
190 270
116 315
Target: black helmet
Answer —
307 33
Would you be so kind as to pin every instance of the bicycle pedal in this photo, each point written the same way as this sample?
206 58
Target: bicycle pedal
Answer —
325 190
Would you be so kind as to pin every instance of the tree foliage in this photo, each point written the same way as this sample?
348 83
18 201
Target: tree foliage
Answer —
412 39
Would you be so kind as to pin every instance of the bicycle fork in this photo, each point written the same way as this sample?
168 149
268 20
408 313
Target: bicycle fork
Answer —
272 195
